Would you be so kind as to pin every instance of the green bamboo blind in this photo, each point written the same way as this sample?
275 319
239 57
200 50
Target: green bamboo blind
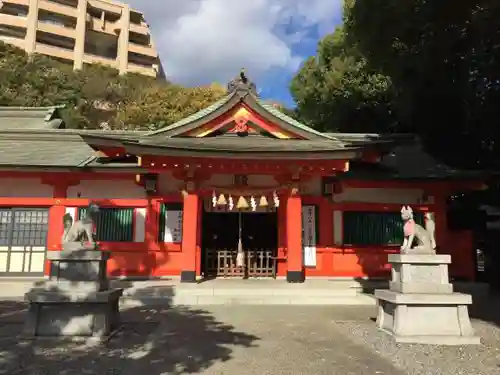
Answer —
113 224
375 228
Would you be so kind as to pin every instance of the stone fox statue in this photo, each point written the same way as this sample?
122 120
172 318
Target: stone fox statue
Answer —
426 242
81 230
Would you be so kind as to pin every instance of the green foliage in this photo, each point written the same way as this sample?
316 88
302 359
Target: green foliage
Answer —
155 105
97 96
337 90
443 59
426 67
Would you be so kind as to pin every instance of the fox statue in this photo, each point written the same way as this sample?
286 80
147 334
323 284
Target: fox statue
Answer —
425 237
78 232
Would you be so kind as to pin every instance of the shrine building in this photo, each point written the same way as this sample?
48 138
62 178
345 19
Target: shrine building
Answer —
238 189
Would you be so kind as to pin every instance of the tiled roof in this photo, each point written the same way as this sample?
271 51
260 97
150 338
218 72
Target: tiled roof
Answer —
44 151
30 118
271 110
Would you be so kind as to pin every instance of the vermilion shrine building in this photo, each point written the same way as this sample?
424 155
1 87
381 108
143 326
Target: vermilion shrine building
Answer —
318 204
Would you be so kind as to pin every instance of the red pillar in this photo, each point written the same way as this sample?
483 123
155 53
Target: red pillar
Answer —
152 222
198 239
56 227
189 237
295 265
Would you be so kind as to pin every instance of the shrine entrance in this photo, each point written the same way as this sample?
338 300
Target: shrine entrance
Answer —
222 232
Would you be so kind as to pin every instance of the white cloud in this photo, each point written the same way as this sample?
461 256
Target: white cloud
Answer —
201 41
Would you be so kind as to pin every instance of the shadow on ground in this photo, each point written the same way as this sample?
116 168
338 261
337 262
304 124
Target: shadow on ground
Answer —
152 340
486 308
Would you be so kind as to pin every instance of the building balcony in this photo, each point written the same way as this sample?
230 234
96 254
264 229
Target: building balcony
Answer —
89 58
140 69
106 6
57 52
142 29
10 20
57 8
56 29
12 40
17 2
100 26
142 50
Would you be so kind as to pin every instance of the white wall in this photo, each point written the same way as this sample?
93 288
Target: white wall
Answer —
24 187
311 187
107 189
168 185
140 224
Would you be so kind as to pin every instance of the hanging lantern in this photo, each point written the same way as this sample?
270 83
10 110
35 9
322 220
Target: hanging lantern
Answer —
222 200
231 203
263 201
242 203
276 200
214 199
253 203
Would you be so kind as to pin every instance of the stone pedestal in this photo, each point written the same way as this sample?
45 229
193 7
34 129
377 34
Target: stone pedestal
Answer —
76 301
420 305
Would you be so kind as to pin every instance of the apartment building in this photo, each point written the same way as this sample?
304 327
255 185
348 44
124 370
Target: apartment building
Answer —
81 32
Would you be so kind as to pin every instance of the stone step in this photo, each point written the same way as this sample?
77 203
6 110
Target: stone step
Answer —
248 299
163 292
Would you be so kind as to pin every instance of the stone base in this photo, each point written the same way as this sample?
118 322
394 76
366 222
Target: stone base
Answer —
69 288
94 315
436 340
421 287
420 273
435 319
78 265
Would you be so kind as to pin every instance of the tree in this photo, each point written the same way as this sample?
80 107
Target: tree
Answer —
338 91
97 96
155 107
443 59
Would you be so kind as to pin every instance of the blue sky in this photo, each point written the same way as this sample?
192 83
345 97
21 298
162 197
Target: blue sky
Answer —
274 84
205 41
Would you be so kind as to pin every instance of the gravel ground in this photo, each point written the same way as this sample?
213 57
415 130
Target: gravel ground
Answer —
427 359
243 340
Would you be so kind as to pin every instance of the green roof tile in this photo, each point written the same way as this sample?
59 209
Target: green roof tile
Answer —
30 118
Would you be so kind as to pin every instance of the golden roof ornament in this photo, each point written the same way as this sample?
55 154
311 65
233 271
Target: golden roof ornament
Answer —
263 201
242 203
222 200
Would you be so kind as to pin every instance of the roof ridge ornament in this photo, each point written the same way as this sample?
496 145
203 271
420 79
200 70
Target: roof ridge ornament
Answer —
242 83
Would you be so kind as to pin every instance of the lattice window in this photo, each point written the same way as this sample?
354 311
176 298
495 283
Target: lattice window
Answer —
375 228
30 228
113 224
5 226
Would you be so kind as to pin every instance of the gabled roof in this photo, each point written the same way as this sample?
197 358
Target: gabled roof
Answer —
241 91
31 118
